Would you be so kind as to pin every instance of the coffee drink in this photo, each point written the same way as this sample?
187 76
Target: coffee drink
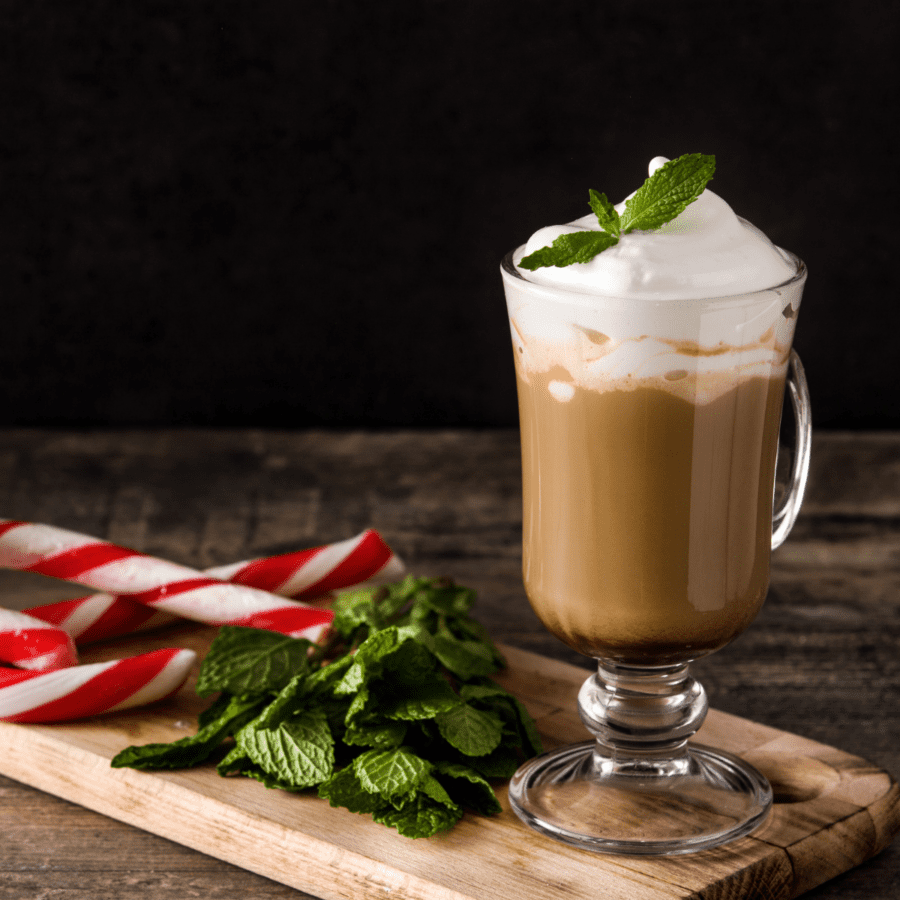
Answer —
648 465
647 517
649 409
651 365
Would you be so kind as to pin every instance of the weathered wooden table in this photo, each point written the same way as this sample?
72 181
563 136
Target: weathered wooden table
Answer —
821 660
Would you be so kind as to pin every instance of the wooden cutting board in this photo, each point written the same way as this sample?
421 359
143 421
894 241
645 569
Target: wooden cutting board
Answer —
832 810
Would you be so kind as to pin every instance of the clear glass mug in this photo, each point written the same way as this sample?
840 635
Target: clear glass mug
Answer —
649 436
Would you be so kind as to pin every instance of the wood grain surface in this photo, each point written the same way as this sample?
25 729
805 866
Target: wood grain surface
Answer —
820 661
833 810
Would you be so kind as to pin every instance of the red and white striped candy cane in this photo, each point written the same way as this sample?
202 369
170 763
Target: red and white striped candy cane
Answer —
302 574
100 616
31 643
313 573
81 691
153 582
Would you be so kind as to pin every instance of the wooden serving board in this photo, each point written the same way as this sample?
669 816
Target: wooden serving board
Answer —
832 810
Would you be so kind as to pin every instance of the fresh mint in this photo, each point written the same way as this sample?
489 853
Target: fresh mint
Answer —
391 773
471 731
605 212
574 247
394 715
230 713
298 750
252 660
662 197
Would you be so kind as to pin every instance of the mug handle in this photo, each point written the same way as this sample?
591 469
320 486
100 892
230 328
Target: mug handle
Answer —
786 513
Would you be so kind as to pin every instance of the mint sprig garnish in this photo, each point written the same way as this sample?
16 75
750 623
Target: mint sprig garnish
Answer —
574 247
605 212
663 196
669 191
393 716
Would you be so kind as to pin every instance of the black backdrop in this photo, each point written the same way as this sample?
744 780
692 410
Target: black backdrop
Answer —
291 214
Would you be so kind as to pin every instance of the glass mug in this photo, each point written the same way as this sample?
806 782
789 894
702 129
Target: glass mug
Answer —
649 434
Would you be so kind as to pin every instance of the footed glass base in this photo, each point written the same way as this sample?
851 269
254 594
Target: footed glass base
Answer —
640 807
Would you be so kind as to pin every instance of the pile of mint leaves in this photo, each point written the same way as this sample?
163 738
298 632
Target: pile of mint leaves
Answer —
394 714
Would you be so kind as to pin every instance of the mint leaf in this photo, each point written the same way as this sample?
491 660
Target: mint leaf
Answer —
469 730
530 739
467 659
344 789
422 813
215 711
390 772
389 662
668 192
410 663
360 706
471 629
367 663
233 763
354 609
282 707
424 700
467 788
238 763
299 751
446 600
323 681
270 781
194 749
483 690
403 592
432 788
502 763
663 196
574 247
420 816
251 660
374 608
511 710
381 736
605 212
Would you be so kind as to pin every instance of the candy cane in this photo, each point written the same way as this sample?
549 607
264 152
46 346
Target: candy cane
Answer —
81 691
31 643
318 571
306 573
154 582
100 616
51 551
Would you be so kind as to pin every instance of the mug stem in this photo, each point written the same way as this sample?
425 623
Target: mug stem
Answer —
642 717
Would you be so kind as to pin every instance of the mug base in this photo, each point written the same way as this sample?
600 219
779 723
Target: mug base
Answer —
567 795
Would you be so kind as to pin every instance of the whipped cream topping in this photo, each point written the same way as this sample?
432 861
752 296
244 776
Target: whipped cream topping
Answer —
706 251
611 323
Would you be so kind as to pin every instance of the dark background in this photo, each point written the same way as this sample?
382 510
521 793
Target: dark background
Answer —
291 214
